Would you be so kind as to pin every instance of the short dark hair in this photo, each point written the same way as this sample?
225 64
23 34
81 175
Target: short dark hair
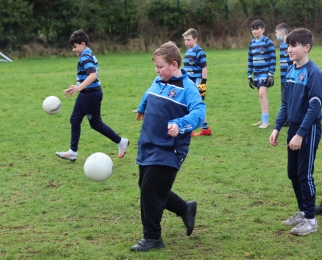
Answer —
282 27
78 37
192 32
169 52
300 35
257 24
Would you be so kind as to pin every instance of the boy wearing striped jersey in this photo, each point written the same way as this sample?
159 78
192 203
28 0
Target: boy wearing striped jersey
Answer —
88 102
195 64
281 31
261 63
171 109
301 106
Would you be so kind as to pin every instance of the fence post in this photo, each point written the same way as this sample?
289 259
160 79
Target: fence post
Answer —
179 22
126 23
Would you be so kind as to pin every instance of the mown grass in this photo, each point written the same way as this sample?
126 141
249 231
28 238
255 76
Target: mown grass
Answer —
50 210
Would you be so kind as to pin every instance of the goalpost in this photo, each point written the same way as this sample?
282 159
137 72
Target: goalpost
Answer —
5 58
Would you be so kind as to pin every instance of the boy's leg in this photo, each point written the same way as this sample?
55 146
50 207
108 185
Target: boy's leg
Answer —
93 113
263 100
306 159
155 185
75 120
292 168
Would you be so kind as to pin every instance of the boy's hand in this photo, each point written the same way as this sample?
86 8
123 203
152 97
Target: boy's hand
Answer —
139 116
202 89
295 143
273 138
270 80
251 82
71 90
173 130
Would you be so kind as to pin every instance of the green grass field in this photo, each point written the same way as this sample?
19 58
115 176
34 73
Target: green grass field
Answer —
50 210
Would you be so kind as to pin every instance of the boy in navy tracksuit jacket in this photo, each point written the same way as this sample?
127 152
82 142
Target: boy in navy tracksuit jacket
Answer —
171 109
301 106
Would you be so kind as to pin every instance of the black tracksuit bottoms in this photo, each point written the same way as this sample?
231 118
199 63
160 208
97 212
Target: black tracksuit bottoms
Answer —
155 184
301 168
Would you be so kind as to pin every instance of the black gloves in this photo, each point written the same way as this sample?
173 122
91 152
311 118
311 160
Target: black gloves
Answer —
251 82
270 80
202 87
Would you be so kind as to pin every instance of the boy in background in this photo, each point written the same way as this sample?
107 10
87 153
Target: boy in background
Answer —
261 63
195 64
88 102
281 31
171 109
301 106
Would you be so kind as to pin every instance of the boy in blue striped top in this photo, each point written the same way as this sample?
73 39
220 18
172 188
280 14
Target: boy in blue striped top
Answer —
281 31
195 64
261 63
301 106
88 102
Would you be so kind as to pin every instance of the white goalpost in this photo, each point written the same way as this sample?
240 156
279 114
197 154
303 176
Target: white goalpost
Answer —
5 58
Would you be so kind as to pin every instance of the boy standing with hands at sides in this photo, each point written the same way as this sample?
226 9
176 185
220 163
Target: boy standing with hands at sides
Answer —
88 102
195 64
281 31
301 106
261 63
171 109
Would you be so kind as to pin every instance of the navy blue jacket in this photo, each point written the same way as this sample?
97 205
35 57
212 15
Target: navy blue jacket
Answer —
302 95
174 102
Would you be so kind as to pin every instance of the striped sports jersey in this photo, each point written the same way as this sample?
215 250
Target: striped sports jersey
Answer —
87 64
285 61
261 58
194 60
302 97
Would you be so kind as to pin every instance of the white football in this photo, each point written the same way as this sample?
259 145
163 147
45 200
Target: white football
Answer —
52 105
98 167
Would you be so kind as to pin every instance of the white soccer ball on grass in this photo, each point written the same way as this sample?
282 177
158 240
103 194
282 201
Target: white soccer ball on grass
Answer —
52 105
98 167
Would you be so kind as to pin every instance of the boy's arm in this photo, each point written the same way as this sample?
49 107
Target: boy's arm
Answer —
89 80
282 115
142 106
204 74
313 112
202 86
315 96
272 56
74 88
197 112
250 62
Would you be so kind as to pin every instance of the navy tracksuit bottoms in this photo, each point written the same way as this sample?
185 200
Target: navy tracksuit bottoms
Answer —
88 103
301 167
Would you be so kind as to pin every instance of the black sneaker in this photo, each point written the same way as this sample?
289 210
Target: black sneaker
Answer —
318 209
146 244
190 216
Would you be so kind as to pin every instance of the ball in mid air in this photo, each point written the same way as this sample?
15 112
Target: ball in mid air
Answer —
98 167
52 105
